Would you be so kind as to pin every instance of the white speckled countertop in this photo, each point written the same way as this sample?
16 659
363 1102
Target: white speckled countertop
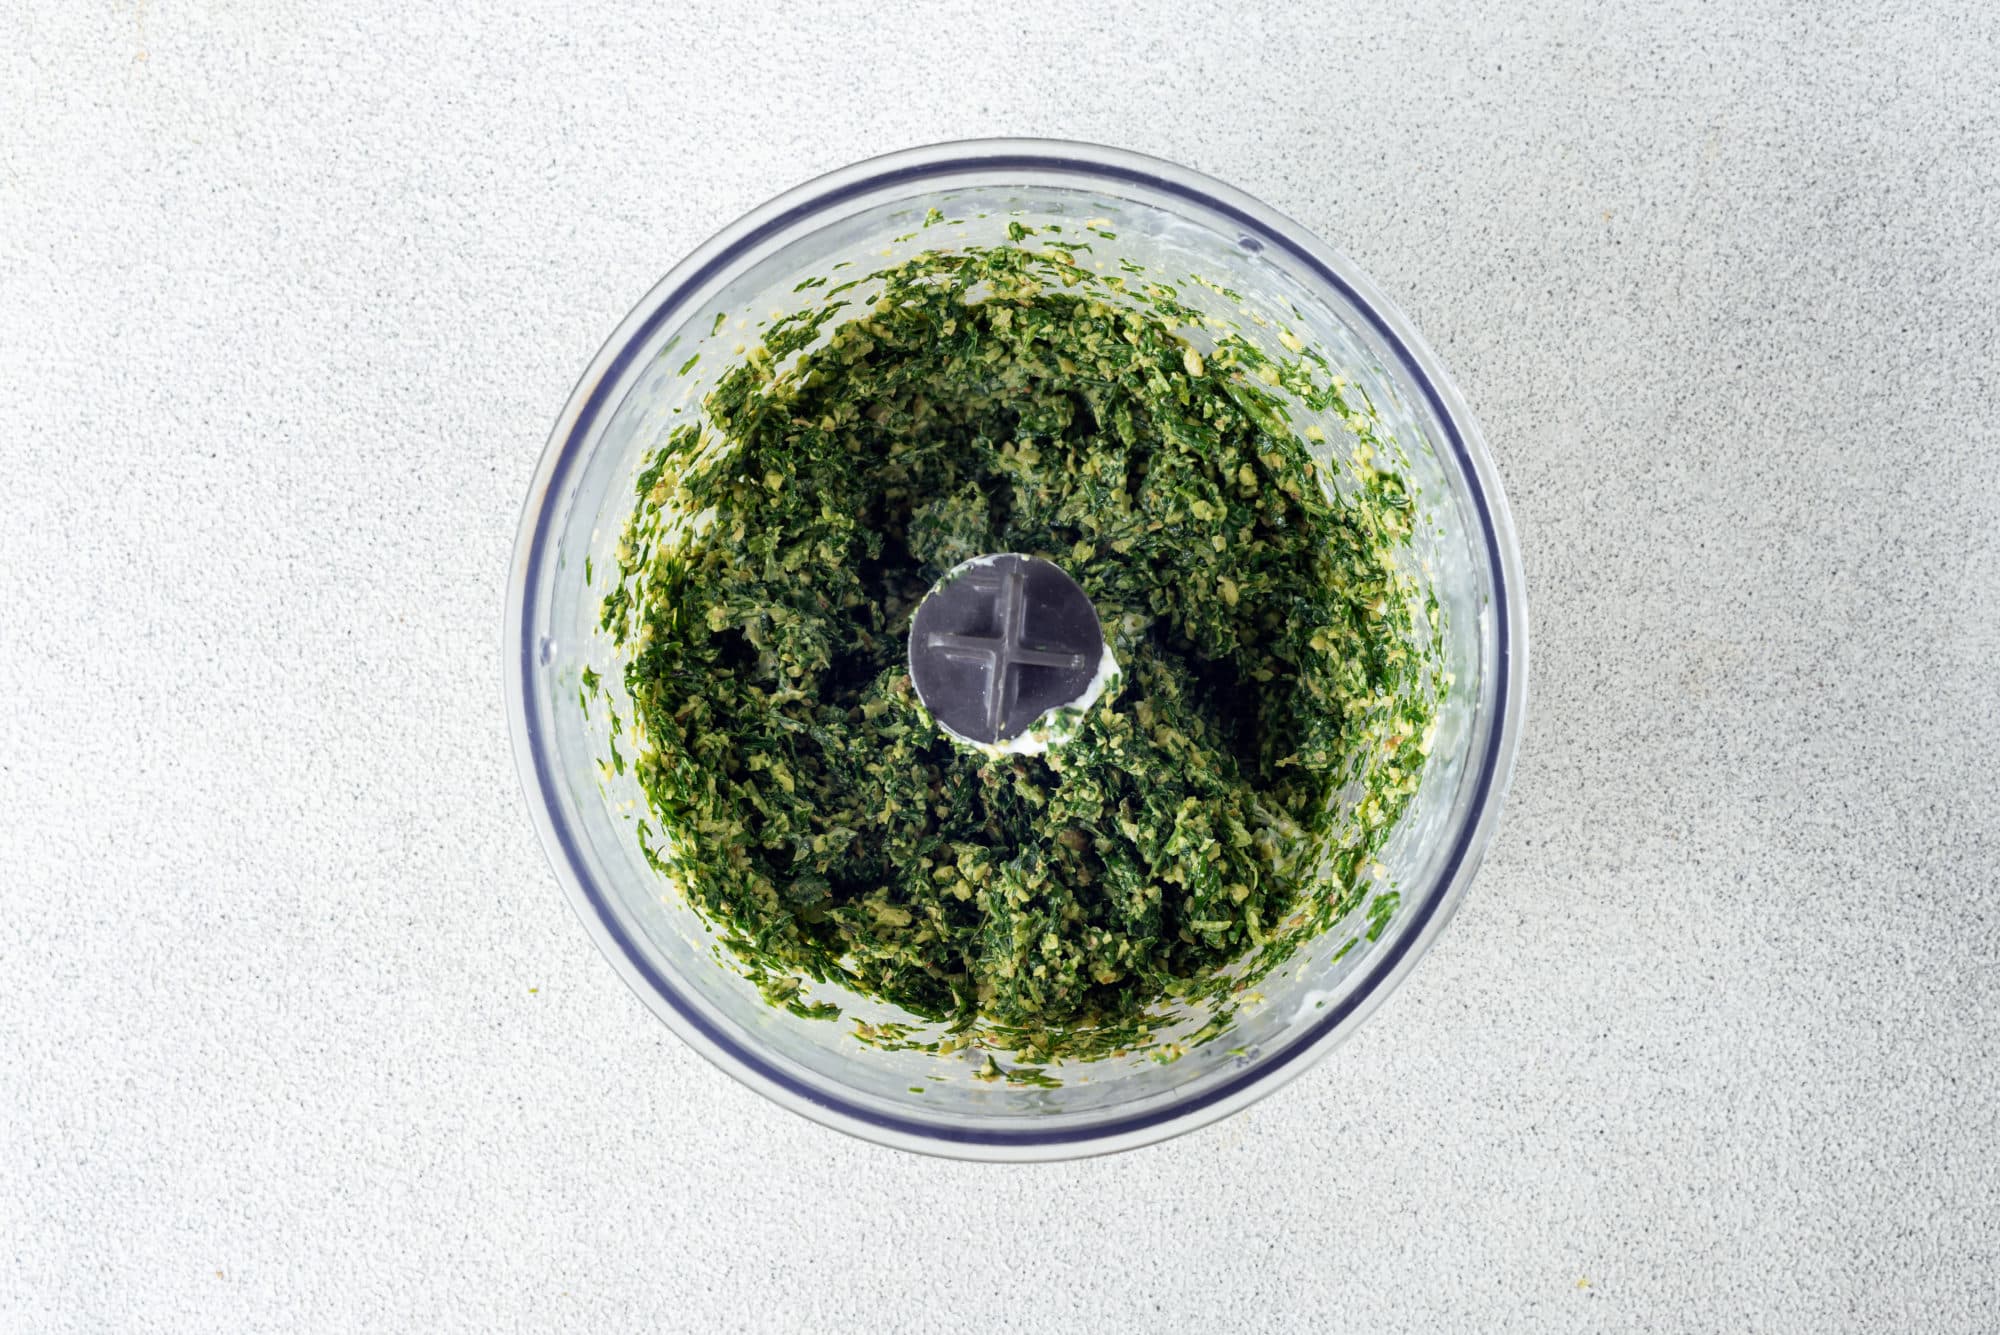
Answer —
296 1029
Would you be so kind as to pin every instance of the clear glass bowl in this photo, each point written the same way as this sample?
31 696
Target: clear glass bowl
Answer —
1173 222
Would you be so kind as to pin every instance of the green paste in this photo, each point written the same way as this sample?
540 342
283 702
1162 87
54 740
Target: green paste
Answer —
1221 803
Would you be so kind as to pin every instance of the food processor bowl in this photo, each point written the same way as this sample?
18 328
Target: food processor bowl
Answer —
1142 216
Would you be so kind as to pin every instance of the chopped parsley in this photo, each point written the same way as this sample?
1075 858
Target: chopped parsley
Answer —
1221 804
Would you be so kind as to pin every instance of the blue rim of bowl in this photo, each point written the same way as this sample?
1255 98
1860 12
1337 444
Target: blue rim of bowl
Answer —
1382 969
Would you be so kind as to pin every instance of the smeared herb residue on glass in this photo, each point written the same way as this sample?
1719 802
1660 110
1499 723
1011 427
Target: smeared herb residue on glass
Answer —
1221 803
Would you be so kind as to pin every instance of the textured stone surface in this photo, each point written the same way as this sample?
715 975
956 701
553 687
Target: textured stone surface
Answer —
296 1031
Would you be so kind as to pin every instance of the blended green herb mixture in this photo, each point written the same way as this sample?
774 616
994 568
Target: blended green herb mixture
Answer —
1222 800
